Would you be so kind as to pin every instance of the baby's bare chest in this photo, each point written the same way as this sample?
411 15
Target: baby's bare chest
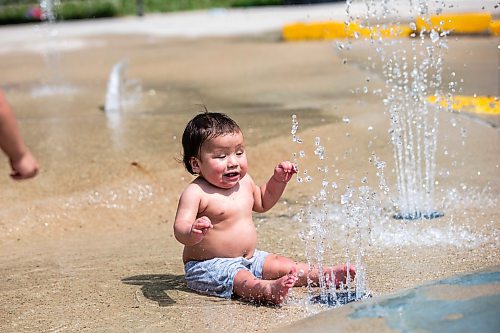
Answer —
222 207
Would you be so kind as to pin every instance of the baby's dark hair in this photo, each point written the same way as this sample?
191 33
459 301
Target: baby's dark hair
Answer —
203 127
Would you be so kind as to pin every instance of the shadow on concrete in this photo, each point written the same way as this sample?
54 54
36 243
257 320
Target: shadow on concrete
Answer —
155 286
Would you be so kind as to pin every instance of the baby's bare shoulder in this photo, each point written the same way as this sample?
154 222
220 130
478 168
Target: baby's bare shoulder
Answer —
248 182
201 185
199 188
247 179
193 189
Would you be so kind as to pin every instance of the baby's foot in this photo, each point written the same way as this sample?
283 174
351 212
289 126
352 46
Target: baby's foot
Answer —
340 274
281 286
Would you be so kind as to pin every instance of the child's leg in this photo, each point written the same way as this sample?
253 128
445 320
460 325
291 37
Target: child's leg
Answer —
276 266
247 286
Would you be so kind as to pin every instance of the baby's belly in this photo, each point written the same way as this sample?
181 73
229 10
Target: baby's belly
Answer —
224 242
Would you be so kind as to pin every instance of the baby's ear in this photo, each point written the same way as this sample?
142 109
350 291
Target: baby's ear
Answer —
195 165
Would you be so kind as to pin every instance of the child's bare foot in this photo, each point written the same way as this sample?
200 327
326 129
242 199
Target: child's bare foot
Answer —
340 274
281 286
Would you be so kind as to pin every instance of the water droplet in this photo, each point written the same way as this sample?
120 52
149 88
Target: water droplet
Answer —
346 197
319 151
295 126
380 164
463 133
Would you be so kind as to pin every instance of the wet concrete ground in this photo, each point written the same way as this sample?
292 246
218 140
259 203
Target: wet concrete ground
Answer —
463 303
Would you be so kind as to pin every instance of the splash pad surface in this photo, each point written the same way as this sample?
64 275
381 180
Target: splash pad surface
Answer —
465 302
91 237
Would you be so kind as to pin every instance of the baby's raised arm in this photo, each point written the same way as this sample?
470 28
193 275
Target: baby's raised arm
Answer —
188 229
266 196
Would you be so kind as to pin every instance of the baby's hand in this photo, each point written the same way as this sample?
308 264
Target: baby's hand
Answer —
24 167
200 228
284 172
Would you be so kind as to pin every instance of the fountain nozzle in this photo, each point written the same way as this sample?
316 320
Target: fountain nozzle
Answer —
418 215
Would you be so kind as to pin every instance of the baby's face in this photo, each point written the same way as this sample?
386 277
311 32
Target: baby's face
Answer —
222 161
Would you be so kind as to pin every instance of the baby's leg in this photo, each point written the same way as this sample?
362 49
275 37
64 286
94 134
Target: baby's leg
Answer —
247 286
337 274
276 266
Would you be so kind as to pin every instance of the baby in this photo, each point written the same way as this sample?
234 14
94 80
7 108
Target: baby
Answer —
214 219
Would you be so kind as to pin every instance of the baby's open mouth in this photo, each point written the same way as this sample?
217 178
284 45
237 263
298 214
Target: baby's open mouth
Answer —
231 174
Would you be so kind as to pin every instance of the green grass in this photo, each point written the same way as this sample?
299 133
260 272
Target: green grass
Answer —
178 5
89 9
15 11
14 14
